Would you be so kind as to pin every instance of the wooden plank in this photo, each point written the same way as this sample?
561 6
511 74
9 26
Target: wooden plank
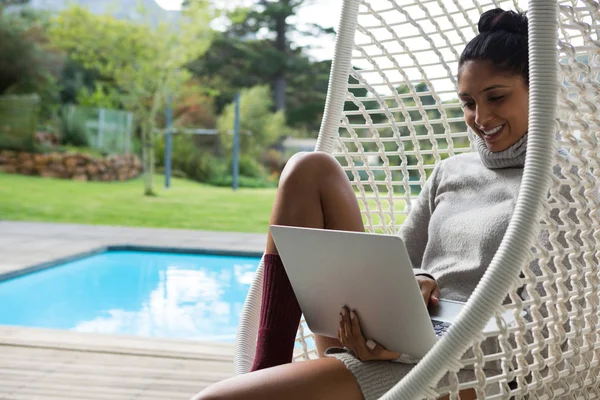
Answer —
92 370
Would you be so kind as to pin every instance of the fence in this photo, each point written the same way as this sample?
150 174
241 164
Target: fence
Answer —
109 131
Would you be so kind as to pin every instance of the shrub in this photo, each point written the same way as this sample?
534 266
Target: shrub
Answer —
19 117
249 167
72 127
259 126
243 182
186 157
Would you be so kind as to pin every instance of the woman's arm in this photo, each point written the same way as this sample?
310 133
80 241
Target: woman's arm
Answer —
415 230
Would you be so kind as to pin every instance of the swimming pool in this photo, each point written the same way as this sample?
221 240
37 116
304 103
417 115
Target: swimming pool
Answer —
167 295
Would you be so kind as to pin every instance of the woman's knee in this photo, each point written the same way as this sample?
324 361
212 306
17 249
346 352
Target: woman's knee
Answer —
212 392
309 167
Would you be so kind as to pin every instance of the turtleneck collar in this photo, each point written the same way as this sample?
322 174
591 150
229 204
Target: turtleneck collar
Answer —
513 157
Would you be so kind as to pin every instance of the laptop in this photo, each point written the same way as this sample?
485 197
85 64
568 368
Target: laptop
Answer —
370 273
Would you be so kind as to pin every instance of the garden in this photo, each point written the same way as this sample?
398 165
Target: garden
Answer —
85 94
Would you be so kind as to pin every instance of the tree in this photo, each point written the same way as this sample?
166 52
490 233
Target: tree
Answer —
146 63
6 3
259 126
28 64
237 49
275 57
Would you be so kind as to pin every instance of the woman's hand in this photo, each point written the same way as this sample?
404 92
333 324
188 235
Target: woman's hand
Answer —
352 338
429 289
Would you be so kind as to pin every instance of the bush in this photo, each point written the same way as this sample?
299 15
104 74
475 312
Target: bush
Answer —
259 126
186 157
243 182
19 116
249 167
203 166
72 127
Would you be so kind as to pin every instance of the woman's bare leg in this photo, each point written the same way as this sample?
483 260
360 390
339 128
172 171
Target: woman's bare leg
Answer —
325 378
314 192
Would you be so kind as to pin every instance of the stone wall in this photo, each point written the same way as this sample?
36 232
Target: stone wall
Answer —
81 167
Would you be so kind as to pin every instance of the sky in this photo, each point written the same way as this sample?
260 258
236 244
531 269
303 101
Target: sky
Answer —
323 12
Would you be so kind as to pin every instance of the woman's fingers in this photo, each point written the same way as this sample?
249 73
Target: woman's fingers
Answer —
426 289
351 337
346 321
435 295
429 289
356 331
381 353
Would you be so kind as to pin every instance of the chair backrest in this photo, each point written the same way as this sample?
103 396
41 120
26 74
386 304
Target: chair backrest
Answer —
392 114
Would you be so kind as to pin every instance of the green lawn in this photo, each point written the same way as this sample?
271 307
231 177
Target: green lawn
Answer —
187 204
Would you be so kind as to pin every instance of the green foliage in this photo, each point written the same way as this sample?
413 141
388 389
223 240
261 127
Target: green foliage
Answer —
249 167
145 63
74 78
193 107
243 182
188 160
267 61
28 63
18 122
259 127
186 157
71 125
79 150
101 97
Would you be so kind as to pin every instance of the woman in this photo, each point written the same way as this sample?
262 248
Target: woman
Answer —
451 233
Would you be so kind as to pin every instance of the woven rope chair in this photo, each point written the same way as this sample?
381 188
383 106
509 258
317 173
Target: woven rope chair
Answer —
392 114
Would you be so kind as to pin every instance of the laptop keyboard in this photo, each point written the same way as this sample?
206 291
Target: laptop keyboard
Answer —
440 327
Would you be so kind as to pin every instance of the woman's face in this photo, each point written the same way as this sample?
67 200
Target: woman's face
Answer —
496 105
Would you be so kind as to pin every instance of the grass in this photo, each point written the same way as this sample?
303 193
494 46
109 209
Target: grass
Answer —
187 204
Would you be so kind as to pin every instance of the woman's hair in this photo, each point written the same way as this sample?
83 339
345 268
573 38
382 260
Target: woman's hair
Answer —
502 40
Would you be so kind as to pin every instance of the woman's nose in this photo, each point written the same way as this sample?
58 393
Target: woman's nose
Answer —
482 116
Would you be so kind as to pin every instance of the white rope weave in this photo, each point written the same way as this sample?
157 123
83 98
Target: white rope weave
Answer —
392 114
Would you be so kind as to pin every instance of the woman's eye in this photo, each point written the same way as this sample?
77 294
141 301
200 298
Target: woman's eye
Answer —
468 104
495 98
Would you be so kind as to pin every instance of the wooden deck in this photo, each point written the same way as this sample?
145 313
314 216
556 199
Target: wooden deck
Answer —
52 365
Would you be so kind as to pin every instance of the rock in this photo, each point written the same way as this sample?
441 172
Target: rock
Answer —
40 160
80 177
71 162
91 170
71 166
9 169
8 154
49 173
23 156
56 158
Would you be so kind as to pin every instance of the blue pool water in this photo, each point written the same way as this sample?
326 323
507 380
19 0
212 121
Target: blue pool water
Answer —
169 295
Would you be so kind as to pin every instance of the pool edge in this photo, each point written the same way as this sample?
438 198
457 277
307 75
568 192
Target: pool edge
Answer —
124 247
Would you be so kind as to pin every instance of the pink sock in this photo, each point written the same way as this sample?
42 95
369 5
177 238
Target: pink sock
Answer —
279 317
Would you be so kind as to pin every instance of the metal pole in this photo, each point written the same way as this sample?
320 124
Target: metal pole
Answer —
100 142
168 144
236 142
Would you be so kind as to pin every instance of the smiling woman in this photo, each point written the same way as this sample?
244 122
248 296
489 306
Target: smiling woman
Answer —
494 80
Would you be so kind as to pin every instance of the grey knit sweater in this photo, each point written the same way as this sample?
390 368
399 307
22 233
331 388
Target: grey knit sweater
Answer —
458 221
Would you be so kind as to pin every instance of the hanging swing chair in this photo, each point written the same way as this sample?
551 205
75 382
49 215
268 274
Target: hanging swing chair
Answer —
392 113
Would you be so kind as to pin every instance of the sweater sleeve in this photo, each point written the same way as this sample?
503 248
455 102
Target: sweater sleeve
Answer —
415 230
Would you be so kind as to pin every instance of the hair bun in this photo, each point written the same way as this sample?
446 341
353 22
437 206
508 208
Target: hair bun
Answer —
500 20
